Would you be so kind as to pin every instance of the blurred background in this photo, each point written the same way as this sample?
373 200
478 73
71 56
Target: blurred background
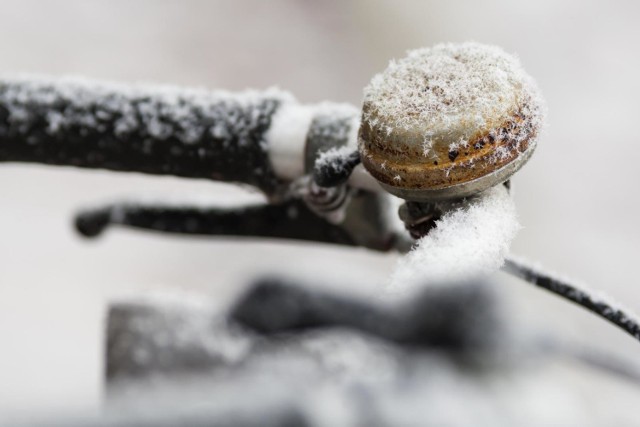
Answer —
576 198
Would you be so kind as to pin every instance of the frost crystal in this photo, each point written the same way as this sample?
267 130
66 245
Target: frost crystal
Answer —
151 129
451 91
161 331
333 157
158 111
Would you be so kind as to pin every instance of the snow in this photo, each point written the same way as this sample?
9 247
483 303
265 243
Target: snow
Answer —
450 92
472 238
332 157
159 111
149 333
331 377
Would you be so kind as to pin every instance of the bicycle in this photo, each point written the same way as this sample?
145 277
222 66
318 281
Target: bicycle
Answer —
328 176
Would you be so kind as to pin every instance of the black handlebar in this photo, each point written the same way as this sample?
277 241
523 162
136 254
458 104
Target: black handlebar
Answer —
187 133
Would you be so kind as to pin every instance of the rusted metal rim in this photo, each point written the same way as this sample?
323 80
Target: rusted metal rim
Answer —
489 157
463 189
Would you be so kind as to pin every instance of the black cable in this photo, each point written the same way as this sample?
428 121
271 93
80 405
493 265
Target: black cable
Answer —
569 291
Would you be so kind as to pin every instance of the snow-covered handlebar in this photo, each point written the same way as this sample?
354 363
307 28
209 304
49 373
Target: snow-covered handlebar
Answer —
264 139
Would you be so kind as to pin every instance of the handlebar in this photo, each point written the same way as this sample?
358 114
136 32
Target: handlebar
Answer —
264 139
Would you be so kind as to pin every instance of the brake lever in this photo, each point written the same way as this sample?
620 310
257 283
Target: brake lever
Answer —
366 221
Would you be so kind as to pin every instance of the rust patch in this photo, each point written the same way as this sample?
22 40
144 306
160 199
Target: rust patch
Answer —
489 151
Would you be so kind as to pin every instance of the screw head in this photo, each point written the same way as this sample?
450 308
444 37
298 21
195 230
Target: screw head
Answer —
449 121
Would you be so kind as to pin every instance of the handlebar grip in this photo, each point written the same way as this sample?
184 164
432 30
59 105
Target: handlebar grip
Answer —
156 130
